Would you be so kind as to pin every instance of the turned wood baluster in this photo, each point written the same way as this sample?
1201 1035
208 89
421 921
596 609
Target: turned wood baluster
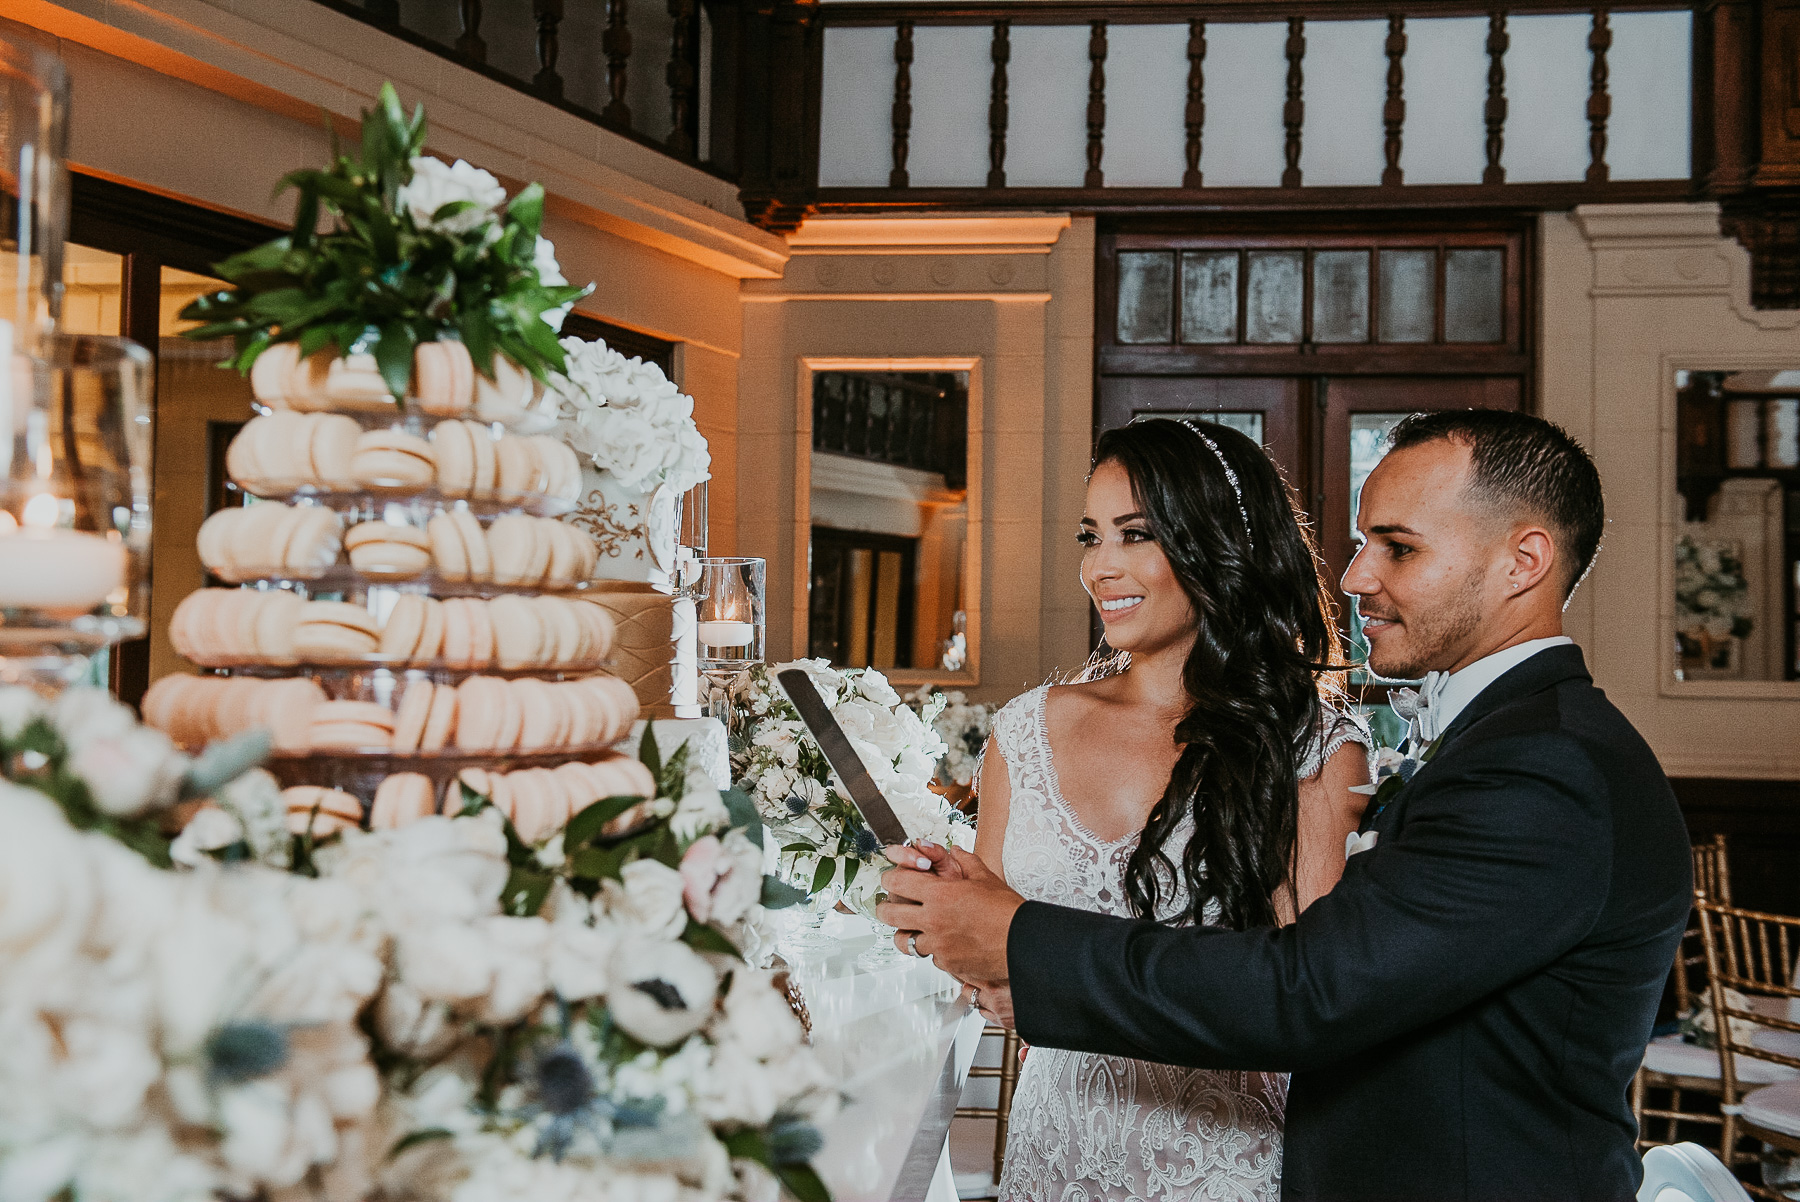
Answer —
469 43
549 14
1393 114
1196 102
1599 105
997 115
615 43
903 57
682 78
1293 114
1096 109
1495 113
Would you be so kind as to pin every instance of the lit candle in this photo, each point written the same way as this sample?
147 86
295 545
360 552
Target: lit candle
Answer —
725 633
44 567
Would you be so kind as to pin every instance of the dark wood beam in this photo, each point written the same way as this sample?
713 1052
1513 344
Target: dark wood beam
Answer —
1210 200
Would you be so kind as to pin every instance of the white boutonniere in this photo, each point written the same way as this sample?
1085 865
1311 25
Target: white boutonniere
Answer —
1354 842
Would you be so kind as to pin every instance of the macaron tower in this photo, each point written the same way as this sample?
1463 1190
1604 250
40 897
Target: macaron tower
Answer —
408 615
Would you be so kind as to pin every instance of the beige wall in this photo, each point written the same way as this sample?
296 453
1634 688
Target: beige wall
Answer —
1010 297
1632 293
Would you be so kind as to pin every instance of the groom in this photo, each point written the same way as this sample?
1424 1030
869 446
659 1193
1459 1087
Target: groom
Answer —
1463 1013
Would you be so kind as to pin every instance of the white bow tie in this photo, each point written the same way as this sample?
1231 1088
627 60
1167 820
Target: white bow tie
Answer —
1421 708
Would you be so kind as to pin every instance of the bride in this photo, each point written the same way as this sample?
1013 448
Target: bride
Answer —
1208 781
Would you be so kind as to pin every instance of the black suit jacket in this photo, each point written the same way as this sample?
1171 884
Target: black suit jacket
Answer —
1463 1013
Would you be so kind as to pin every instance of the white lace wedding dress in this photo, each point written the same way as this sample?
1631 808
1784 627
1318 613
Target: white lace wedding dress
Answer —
1087 1127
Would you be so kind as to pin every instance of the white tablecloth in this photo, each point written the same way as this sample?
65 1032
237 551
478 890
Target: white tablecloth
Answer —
895 1032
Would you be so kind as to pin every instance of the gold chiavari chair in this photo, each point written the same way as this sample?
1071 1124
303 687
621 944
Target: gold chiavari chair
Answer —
1007 1073
1670 1063
1752 954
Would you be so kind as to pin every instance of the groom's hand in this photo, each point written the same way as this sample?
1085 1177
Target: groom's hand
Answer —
962 923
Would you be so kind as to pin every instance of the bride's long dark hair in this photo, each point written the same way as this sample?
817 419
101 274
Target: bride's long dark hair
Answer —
1265 657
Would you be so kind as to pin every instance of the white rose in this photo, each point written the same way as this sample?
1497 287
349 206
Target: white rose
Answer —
692 463
445 961
700 811
130 772
210 829
47 890
741 1089
517 948
647 901
84 714
624 444
18 708
721 879
578 959
661 992
875 687
435 184
757 1018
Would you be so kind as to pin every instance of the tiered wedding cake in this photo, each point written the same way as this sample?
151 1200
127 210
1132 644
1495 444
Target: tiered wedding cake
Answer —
416 621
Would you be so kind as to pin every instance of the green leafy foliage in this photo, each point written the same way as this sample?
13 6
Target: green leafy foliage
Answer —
797 1177
374 281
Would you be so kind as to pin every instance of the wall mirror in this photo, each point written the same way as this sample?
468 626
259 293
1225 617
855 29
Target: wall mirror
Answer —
1736 552
891 570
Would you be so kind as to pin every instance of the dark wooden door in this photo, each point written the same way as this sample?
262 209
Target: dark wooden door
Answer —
1271 409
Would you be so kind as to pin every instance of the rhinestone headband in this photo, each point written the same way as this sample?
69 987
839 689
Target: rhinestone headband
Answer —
1231 478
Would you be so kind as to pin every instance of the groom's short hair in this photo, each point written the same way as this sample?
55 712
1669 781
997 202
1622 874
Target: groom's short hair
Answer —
1524 466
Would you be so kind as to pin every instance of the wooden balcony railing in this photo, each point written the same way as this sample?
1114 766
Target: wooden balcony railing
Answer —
636 69
755 117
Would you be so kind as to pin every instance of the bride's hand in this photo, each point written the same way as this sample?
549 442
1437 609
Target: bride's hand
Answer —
925 856
993 999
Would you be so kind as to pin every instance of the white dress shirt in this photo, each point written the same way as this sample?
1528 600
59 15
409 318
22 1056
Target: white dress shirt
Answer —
1447 694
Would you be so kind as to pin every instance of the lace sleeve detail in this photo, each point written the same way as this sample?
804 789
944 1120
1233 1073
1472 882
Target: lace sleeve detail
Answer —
1337 727
1011 721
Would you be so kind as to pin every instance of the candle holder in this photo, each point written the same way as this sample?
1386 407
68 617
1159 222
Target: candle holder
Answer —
728 598
74 503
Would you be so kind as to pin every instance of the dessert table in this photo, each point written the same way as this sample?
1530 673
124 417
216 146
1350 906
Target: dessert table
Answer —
898 1036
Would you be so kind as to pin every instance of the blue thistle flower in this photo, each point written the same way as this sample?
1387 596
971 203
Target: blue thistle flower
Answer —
866 842
239 1052
796 805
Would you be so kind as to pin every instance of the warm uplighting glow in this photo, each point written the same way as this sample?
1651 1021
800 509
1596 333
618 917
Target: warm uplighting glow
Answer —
42 511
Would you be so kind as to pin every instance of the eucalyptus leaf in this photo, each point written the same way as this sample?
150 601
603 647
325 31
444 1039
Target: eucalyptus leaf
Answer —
777 894
586 824
708 939
413 1140
223 762
648 755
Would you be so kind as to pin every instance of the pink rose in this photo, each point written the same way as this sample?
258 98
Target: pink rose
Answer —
721 880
